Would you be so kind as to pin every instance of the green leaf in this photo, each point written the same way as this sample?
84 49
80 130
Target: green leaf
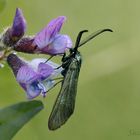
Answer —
2 5
13 118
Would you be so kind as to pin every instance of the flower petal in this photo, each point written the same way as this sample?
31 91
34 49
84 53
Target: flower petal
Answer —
48 84
51 66
19 24
33 90
15 63
47 35
54 26
27 75
60 44
25 45
45 70
35 62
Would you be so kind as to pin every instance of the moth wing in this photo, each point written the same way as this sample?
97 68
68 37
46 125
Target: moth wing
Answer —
65 101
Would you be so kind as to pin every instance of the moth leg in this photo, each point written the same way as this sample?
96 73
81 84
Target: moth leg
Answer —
53 56
58 67
66 58
64 55
63 58
49 58
64 65
58 78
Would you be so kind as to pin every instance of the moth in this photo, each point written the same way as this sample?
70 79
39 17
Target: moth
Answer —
65 102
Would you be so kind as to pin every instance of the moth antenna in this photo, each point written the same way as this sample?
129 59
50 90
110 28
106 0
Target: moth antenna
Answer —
78 39
93 35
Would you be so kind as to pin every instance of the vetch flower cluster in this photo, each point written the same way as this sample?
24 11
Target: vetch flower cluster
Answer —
38 75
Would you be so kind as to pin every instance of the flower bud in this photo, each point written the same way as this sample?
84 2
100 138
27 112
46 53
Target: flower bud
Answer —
15 33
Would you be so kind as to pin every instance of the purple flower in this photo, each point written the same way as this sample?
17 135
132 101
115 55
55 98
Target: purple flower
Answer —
25 45
35 77
19 24
15 33
50 41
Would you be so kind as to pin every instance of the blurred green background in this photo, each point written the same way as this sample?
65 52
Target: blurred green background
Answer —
108 98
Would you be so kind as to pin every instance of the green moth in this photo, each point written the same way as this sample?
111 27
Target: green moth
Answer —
65 102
